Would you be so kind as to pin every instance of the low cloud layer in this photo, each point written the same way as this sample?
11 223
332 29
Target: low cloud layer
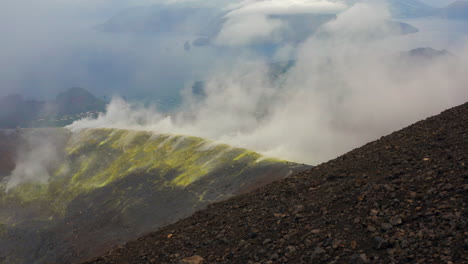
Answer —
250 22
49 46
348 87
281 7
241 32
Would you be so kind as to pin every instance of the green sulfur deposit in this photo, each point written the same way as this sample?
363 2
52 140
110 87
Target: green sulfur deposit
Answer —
121 183
100 157
97 157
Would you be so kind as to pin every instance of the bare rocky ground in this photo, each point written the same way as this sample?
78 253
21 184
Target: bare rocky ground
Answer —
400 199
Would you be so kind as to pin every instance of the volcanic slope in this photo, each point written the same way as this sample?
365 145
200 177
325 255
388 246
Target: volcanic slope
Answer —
67 197
400 199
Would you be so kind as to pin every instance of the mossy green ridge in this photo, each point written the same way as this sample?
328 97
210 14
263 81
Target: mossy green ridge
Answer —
112 185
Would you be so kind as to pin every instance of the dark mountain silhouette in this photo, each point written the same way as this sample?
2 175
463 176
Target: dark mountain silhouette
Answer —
428 52
77 100
68 106
400 199
425 54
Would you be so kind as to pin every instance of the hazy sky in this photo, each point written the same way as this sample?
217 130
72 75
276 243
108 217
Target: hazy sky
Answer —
51 45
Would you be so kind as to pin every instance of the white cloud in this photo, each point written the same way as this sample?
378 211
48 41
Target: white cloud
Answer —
342 93
344 90
360 18
285 7
248 30
248 22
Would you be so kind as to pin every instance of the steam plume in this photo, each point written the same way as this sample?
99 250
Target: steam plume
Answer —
350 85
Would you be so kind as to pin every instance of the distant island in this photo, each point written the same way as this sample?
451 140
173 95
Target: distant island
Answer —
71 105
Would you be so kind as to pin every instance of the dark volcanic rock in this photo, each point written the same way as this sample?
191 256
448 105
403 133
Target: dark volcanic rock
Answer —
69 196
400 199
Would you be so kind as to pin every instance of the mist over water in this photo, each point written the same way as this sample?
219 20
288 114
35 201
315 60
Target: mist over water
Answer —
350 84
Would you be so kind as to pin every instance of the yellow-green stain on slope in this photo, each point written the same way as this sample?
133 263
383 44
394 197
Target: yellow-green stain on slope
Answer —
96 158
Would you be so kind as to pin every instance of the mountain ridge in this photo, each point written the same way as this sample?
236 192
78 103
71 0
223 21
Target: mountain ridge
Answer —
399 199
106 186
68 106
